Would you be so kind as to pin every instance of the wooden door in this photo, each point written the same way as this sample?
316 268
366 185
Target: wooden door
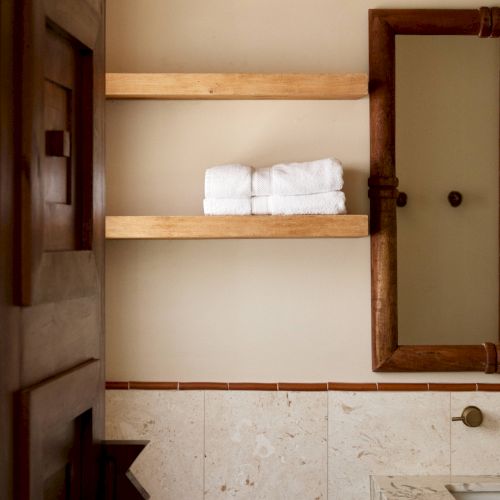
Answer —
51 248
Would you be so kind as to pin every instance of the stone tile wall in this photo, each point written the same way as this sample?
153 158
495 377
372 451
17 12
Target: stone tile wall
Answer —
260 445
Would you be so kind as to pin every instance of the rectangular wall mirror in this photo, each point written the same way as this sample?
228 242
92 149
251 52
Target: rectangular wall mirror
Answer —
434 189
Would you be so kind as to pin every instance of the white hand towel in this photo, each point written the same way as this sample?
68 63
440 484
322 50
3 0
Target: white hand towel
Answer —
227 206
228 181
332 203
260 205
320 176
261 182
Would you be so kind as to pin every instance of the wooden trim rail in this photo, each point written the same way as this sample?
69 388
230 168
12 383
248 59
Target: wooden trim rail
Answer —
303 386
236 85
235 226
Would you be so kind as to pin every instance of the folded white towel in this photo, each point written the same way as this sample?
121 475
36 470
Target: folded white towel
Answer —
261 182
260 205
228 181
227 206
332 203
312 177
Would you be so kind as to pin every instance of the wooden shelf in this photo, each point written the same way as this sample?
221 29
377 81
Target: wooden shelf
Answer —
236 85
229 227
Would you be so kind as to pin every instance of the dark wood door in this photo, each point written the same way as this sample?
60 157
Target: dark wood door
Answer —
51 248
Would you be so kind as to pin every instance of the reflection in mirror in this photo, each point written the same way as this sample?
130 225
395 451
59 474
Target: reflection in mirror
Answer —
447 139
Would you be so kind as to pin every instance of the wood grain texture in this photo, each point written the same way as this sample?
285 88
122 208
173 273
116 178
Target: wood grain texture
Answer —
488 387
62 323
117 385
252 386
435 358
352 386
228 227
491 363
382 192
236 86
203 386
384 25
10 324
311 386
54 65
42 407
304 386
85 26
154 386
403 386
452 387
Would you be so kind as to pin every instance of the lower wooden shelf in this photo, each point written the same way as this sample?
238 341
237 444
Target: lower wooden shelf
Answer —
234 226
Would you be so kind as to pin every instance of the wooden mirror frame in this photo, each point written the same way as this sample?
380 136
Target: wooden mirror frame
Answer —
384 25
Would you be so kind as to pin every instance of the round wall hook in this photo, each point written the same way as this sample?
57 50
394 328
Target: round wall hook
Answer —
455 198
402 199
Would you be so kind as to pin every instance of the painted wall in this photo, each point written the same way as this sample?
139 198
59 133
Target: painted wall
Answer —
238 310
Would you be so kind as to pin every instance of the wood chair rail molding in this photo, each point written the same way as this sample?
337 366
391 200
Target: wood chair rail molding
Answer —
384 25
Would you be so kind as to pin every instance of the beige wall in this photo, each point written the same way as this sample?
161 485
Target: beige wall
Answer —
237 310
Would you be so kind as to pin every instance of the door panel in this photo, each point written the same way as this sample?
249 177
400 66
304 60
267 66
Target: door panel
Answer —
57 76
55 435
58 242
52 257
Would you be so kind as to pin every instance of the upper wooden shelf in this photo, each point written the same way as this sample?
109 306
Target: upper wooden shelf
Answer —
235 226
236 85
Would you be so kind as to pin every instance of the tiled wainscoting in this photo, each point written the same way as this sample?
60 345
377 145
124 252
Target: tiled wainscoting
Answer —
262 445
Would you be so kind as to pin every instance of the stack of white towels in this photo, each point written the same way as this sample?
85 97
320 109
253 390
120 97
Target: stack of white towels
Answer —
313 187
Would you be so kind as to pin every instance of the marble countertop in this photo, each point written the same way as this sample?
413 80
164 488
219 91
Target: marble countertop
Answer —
429 487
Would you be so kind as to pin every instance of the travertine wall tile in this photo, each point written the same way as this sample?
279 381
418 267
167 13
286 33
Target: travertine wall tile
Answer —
171 466
385 433
475 450
264 445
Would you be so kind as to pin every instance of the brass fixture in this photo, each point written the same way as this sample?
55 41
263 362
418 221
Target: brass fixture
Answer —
472 416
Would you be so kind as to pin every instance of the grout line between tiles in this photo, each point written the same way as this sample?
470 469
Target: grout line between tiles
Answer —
327 446
204 440
449 423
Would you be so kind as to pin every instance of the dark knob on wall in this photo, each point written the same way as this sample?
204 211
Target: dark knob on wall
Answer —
455 198
402 199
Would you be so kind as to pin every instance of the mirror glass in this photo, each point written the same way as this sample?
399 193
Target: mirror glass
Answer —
447 139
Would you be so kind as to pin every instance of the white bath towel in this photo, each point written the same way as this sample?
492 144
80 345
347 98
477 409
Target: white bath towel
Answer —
332 203
290 179
227 206
228 181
